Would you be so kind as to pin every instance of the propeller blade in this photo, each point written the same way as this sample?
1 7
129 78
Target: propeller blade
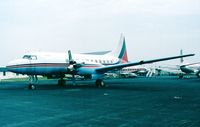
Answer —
70 55
71 61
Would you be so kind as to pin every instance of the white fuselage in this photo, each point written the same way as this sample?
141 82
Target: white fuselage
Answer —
47 63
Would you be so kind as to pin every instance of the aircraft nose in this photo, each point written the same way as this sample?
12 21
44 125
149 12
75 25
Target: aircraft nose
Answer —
11 63
15 63
16 66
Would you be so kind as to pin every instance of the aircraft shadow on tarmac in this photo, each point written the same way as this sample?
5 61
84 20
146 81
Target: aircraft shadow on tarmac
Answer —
85 86
114 87
110 85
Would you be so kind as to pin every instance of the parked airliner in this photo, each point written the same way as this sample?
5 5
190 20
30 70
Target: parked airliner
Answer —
92 66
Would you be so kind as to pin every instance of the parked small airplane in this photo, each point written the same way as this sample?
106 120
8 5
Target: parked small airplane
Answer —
133 71
189 68
170 70
182 69
92 66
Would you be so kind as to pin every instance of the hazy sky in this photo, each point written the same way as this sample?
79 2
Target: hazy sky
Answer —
153 28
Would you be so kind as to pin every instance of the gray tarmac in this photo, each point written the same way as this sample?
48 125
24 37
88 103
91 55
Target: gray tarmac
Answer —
138 102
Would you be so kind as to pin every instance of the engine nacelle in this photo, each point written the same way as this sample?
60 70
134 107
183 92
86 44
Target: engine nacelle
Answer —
71 68
186 69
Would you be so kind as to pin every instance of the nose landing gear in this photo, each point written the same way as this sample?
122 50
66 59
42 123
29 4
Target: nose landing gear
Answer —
32 81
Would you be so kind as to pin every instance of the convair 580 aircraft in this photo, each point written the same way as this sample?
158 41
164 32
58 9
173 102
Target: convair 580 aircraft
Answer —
91 66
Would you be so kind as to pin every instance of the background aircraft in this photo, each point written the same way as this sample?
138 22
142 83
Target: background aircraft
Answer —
133 71
92 66
179 69
182 69
190 68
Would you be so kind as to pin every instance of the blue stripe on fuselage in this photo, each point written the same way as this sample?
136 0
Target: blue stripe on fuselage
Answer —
49 68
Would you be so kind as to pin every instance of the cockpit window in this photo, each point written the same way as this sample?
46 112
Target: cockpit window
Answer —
30 57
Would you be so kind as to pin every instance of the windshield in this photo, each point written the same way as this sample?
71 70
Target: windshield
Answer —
30 57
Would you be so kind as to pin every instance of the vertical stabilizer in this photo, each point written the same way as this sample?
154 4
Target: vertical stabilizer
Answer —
121 51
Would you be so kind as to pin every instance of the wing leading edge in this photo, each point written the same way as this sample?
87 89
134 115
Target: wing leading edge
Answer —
119 66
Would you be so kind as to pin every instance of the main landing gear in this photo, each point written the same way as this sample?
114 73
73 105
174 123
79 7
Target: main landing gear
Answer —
61 82
100 83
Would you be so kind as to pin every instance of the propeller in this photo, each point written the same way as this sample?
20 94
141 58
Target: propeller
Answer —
73 66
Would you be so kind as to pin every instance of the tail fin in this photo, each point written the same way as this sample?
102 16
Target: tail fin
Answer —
121 51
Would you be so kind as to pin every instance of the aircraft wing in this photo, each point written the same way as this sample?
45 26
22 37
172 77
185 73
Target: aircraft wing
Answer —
119 66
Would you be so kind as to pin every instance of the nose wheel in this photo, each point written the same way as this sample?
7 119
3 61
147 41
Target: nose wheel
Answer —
32 81
31 86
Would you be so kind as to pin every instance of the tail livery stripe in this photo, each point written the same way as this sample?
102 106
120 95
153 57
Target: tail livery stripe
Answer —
123 54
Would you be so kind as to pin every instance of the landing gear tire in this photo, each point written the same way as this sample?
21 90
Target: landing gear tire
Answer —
31 86
61 82
100 83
